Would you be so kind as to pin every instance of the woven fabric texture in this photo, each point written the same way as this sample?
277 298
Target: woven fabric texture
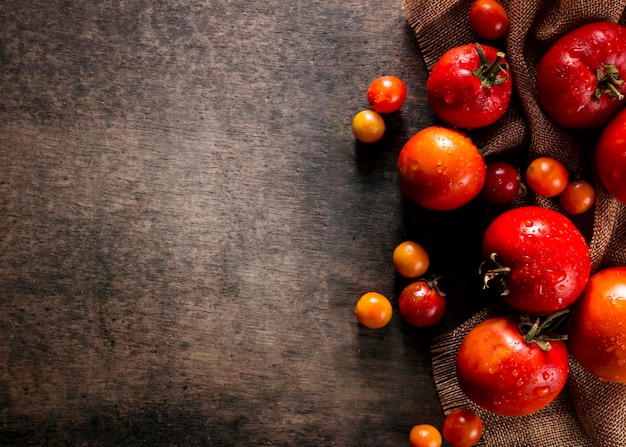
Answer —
589 412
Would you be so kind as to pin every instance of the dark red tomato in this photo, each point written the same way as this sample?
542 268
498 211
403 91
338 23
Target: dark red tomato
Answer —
502 372
440 168
539 258
462 428
610 157
597 331
489 19
502 183
386 94
579 79
470 86
421 303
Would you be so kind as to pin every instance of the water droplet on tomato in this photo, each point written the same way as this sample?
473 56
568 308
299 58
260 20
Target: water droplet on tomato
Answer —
528 223
541 391
545 375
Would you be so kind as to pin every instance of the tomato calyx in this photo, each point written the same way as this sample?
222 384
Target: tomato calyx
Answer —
539 330
609 82
488 73
433 283
494 270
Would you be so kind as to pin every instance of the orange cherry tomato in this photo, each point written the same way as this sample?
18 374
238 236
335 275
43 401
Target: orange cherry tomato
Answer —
425 435
386 94
373 310
578 197
410 259
368 126
489 19
547 176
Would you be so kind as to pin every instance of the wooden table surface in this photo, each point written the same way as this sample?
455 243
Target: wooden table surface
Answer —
186 223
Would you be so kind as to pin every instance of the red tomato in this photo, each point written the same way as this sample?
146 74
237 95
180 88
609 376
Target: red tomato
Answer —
579 79
502 183
441 169
578 197
502 372
462 428
421 303
539 256
547 176
610 156
489 19
386 94
597 332
470 86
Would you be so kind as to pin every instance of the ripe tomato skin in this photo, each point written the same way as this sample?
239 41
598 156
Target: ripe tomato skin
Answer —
578 197
547 176
548 258
410 259
425 435
386 94
597 329
610 156
459 96
567 75
441 168
368 126
489 19
373 310
421 304
502 373
462 428
502 183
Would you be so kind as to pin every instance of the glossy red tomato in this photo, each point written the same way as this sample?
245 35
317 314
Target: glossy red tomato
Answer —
421 303
610 156
470 86
502 183
579 79
547 176
538 257
462 428
502 372
386 94
489 19
440 168
597 331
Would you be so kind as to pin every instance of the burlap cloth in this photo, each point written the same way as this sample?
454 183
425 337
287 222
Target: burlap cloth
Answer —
588 412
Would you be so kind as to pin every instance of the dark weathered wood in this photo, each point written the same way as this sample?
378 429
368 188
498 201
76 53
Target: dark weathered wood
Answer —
186 223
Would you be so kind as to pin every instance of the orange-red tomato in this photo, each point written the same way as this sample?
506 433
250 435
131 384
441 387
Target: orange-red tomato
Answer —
368 126
425 435
462 428
597 330
386 94
373 310
547 176
489 19
410 259
441 168
578 197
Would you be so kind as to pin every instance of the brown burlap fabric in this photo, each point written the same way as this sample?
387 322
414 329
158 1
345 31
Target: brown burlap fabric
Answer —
588 412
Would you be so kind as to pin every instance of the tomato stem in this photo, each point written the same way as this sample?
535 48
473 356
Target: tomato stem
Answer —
609 82
498 272
536 331
489 72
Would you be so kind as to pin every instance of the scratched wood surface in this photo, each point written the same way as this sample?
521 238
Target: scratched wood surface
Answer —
186 223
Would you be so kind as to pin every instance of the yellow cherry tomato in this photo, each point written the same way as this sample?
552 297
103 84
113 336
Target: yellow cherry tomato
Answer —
373 310
410 259
368 126
425 435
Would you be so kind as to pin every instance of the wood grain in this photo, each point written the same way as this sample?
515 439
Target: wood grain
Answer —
186 223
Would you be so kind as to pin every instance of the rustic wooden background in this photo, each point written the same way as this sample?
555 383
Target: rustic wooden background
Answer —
186 223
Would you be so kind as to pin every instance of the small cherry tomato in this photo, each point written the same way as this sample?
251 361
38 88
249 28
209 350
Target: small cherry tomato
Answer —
386 94
502 183
610 156
410 259
578 197
547 176
462 428
373 310
489 19
368 126
421 303
425 435
440 168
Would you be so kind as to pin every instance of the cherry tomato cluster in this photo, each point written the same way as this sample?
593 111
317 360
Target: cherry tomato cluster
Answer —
461 428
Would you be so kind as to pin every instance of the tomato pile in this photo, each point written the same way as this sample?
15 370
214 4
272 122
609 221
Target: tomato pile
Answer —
535 258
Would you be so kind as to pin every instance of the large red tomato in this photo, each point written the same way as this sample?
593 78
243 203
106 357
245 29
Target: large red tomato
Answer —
610 156
597 331
470 86
503 372
579 79
441 168
540 258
